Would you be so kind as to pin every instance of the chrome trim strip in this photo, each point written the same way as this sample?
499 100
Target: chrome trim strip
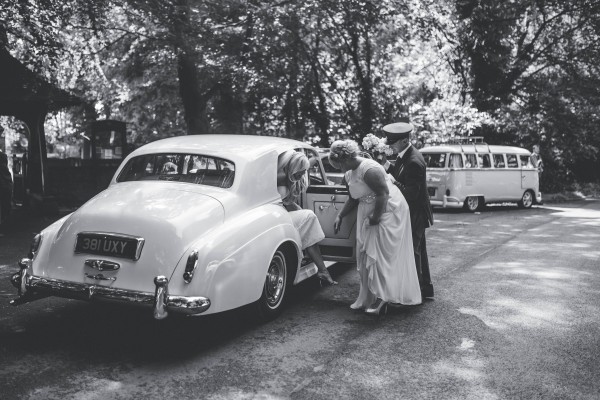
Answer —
100 277
138 249
190 305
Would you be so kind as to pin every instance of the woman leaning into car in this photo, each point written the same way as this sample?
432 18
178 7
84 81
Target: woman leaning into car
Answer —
291 183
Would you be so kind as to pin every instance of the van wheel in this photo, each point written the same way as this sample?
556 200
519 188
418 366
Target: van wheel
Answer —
527 200
271 302
472 203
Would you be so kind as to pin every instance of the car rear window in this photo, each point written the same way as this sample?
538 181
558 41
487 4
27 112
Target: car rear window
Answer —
177 167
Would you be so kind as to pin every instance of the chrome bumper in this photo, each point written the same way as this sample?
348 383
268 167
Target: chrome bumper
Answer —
448 202
34 287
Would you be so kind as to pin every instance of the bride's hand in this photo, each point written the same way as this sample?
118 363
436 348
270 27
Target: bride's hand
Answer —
337 224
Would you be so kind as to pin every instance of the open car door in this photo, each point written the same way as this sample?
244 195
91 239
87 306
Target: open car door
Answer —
326 201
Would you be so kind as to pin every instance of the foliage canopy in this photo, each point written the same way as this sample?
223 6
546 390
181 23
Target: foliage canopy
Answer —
518 72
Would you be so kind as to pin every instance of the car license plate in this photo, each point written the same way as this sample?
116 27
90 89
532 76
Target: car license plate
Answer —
431 191
109 244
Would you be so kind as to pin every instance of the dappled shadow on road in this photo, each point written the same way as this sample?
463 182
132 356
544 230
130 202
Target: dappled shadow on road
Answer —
535 285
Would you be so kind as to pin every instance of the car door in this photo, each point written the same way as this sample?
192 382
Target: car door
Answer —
326 201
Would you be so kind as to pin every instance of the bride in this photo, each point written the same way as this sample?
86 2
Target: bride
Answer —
384 250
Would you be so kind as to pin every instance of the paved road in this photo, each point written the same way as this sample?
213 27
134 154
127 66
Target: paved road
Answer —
515 317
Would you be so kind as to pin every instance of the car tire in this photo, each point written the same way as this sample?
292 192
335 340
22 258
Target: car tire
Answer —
272 299
473 203
527 200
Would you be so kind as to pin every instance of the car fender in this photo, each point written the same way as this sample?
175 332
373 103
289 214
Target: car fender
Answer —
48 237
233 261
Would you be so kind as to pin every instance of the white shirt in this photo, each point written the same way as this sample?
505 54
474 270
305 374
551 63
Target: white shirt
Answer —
387 164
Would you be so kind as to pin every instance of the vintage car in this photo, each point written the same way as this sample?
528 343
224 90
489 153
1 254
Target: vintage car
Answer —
190 225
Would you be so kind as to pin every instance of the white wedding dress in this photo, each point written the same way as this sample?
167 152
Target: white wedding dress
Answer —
384 252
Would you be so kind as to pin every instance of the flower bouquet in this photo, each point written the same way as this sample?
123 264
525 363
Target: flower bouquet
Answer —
377 147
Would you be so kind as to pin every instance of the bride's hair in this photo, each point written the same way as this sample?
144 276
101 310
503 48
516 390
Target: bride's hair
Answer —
292 162
342 150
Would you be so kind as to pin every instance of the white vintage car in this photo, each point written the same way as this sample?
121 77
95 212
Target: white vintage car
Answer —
190 224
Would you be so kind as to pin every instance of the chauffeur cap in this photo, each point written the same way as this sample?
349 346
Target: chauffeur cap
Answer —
397 131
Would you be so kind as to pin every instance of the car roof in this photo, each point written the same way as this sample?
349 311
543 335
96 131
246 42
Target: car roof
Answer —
231 147
478 148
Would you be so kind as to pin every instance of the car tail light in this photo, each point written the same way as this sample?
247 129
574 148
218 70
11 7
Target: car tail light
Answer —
190 266
35 245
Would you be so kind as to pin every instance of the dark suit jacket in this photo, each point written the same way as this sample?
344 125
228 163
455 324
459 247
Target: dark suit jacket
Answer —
410 175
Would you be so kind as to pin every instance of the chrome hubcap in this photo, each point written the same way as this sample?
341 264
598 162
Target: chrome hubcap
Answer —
473 203
527 199
275 282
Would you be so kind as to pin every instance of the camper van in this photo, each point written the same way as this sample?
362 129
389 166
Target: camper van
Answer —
473 174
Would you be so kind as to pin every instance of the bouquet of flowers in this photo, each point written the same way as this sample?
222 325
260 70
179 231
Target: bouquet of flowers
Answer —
376 146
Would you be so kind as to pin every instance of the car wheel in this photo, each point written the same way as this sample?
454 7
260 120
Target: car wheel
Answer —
527 200
472 203
271 302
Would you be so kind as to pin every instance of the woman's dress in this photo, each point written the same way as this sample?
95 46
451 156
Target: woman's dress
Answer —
306 223
384 252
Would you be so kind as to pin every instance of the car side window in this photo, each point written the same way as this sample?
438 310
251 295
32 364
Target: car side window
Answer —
511 161
470 161
498 161
315 175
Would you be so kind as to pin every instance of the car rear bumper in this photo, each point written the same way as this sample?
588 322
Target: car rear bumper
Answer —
33 287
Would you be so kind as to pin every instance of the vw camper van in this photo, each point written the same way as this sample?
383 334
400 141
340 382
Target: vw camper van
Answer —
473 174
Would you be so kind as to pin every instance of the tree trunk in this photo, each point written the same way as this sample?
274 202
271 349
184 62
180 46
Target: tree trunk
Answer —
194 101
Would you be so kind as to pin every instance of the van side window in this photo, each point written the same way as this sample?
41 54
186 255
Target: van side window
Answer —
498 161
484 160
511 161
525 161
471 161
455 161
435 160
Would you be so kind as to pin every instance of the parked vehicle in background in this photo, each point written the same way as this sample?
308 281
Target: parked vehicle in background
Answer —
191 225
474 174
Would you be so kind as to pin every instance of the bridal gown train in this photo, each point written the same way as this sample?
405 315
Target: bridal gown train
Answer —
384 252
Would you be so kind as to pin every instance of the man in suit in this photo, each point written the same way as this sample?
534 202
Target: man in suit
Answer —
409 171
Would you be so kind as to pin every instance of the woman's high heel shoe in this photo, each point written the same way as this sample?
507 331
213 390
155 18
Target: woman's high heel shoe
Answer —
377 308
325 279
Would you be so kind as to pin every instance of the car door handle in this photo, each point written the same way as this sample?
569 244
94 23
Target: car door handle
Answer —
340 191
